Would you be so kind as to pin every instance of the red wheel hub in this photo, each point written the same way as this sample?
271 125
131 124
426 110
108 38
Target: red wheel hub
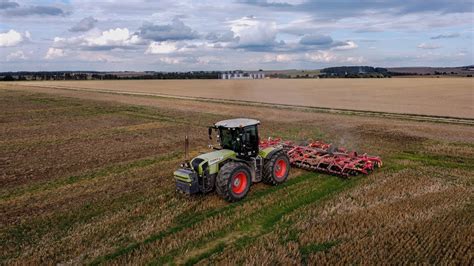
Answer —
280 168
239 182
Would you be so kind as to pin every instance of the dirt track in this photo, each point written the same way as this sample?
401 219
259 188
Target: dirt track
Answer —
453 97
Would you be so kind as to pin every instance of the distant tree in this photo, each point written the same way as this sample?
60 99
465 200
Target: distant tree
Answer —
8 78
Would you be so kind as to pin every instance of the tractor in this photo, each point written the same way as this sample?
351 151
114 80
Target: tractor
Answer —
235 165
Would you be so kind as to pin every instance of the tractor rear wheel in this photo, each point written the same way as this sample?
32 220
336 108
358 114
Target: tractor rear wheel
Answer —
277 168
233 181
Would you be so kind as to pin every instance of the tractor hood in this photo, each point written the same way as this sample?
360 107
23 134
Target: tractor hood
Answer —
211 160
215 156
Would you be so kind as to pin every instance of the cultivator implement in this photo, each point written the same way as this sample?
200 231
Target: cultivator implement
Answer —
324 157
241 160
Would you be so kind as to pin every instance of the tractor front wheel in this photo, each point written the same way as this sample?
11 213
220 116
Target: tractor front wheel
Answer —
233 181
276 169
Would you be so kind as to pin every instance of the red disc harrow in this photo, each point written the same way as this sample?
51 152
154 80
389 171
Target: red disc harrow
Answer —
323 157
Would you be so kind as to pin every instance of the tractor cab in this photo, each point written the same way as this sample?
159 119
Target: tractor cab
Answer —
239 135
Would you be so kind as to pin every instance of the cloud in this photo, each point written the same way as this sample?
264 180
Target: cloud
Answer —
162 48
446 36
84 25
321 56
312 57
316 39
253 33
35 10
93 56
347 9
175 31
54 53
281 58
13 38
106 40
227 36
18 55
322 42
5 4
428 46
171 60
347 45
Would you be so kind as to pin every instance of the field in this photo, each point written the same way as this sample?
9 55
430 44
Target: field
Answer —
423 96
86 178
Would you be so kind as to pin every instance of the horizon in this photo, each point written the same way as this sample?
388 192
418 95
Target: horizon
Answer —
184 36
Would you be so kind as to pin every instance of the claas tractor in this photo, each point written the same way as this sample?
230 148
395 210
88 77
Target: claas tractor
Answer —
232 167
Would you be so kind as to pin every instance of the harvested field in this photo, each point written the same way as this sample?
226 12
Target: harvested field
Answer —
86 177
423 96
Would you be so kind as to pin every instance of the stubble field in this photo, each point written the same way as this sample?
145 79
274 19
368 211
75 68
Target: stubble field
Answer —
451 97
86 178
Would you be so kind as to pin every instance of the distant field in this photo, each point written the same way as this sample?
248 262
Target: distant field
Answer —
86 178
437 96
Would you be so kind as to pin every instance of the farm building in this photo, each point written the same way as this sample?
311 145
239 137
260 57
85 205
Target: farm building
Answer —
242 75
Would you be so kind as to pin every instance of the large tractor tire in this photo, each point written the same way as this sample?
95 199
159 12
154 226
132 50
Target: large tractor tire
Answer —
233 181
276 168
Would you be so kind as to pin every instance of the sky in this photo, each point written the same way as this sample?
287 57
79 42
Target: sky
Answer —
174 35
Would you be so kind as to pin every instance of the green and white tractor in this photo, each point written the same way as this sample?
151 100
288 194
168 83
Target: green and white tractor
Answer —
235 165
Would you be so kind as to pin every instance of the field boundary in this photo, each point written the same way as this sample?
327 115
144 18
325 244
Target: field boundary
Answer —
403 116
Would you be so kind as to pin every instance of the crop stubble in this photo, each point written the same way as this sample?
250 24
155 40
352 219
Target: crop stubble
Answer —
107 194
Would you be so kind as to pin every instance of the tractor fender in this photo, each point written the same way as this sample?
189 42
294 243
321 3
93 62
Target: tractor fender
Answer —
267 153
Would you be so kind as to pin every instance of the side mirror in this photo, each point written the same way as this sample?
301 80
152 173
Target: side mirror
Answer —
210 133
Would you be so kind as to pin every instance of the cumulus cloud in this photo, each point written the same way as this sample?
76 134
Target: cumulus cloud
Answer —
331 57
84 25
94 56
313 57
177 30
171 60
119 37
281 58
321 56
106 40
446 36
428 46
162 48
13 38
254 33
18 55
54 53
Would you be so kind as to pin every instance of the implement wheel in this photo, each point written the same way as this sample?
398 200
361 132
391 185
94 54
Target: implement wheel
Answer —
276 169
233 181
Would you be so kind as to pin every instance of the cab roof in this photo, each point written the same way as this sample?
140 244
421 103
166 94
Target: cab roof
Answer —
237 122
